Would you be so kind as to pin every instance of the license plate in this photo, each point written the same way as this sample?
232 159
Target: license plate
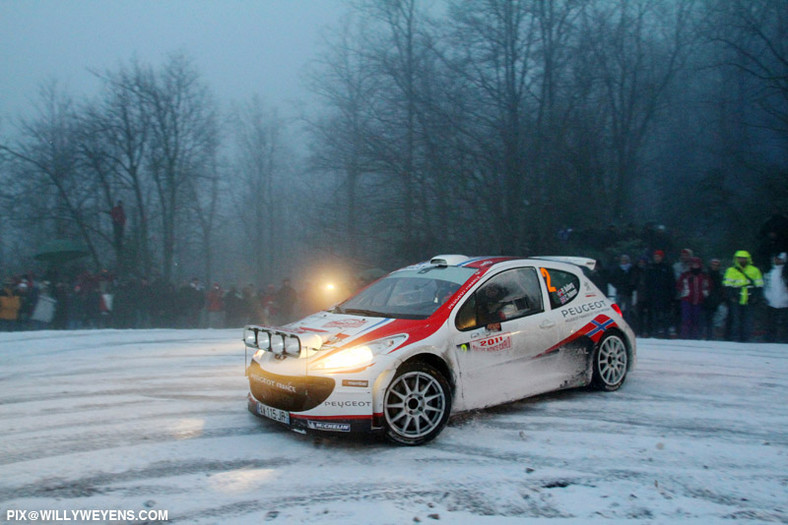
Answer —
273 413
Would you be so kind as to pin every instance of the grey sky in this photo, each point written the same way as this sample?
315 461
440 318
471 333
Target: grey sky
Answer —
240 47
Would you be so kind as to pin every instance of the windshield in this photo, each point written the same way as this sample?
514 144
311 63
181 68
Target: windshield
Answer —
407 294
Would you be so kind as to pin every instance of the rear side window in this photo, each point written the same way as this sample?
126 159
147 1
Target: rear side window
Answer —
562 287
509 295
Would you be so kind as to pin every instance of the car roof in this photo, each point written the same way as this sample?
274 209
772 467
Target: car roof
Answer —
485 262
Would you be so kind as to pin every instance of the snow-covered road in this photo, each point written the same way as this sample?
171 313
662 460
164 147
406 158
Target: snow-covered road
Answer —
157 420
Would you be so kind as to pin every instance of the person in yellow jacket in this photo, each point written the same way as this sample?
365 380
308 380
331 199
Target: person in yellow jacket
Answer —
9 306
743 284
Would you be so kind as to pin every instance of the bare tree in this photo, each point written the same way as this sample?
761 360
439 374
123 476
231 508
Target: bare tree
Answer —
47 156
184 134
340 136
258 163
493 43
636 47
122 125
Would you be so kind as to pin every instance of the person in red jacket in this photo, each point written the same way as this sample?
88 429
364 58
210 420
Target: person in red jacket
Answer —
693 288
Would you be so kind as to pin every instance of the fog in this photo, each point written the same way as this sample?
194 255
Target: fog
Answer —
255 141
242 49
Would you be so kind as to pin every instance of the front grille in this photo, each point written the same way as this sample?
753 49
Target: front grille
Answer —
291 393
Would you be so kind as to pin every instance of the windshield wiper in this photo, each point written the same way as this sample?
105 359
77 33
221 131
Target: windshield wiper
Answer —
368 313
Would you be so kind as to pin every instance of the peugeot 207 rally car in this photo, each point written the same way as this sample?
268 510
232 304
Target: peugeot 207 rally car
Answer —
445 336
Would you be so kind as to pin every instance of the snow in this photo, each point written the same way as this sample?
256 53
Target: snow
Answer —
157 419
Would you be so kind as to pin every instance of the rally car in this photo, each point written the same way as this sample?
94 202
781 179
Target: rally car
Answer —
448 335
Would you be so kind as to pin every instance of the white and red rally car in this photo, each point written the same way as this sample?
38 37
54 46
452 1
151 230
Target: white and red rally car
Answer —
437 338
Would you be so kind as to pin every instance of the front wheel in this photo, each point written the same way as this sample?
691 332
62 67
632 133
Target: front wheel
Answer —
610 363
416 404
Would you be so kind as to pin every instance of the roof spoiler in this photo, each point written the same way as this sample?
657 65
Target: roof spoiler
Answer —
586 262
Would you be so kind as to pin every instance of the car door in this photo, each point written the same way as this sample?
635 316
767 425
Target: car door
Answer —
498 334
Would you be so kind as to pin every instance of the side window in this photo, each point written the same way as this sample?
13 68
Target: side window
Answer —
509 295
562 287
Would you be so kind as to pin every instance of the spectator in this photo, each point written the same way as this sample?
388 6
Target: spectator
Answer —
214 305
234 308
28 295
642 299
693 288
715 309
743 283
9 306
286 298
661 285
776 294
63 300
44 312
192 301
623 280
267 299
683 264
250 304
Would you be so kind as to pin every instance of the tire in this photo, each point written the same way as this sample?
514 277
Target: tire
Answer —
611 361
417 404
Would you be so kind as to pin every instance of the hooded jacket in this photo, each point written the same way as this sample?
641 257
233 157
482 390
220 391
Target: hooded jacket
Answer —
776 287
740 281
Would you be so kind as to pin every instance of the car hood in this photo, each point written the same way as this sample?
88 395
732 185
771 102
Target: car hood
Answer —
339 330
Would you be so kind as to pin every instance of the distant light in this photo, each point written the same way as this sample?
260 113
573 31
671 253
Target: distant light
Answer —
330 286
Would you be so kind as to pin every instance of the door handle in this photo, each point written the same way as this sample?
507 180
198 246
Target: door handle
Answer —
547 323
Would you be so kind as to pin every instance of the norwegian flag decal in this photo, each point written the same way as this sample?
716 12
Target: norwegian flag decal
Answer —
598 327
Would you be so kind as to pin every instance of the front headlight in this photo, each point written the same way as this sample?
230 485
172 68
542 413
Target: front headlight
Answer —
358 356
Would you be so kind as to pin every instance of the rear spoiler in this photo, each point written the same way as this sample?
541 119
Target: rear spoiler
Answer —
585 262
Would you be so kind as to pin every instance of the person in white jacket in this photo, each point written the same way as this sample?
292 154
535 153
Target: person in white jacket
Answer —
776 293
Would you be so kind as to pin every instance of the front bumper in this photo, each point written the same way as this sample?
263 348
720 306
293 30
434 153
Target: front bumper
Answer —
310 403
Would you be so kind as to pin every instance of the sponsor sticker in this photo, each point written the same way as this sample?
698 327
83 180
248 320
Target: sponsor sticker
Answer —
355 382
343 404
285 387
346 323
328 426
495 343
583 310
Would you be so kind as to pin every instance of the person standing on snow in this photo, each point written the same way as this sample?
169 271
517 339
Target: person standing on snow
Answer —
286 298
776 294
743 283
661 290
714 306
622 277
693 288
10 303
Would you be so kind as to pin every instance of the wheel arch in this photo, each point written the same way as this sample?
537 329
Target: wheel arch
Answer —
424 355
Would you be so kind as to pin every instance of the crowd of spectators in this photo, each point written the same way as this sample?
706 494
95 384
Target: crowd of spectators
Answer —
690 297
101 301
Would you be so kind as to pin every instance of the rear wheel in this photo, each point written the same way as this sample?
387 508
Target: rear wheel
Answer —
416 404
610 363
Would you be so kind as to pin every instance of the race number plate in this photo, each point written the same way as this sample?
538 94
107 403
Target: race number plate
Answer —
273 413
